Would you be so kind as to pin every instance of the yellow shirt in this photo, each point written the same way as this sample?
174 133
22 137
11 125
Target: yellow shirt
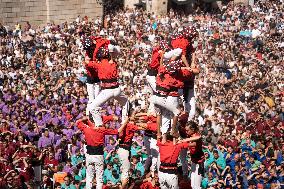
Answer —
269 101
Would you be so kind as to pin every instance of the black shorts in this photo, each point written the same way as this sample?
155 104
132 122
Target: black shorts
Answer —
92 80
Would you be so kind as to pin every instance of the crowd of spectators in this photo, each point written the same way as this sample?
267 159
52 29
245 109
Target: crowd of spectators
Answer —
239 96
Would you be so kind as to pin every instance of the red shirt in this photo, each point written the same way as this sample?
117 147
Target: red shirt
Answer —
127 134
152 127
169 152
7 152
5 168
182 120
171 82
260 127
233 143
94 136
148 185
27 173
181 43
107 72
91 72
100 42
156 58
196 153
150 118
51 162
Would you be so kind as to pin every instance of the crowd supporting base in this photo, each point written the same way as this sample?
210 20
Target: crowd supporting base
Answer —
145 101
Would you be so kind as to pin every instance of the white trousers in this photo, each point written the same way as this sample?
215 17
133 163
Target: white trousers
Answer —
189 104
154 155
184 162
196 176
93 91
95 165
104 96
152 85
166 107
152 82
168 102
168 181
123 156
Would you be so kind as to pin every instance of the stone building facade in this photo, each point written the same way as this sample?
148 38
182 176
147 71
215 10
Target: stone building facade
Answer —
44 11
39 12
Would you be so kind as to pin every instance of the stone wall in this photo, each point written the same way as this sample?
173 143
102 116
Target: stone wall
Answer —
245 2
43 11
160 7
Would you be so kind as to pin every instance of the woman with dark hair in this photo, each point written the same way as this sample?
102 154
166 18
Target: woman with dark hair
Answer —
196 153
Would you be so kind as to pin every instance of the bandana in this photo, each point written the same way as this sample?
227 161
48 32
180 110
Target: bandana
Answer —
177 35
87 43
102 52
164 45
173 65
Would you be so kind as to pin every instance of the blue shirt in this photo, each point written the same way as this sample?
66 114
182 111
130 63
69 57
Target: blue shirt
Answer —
221 162
76 159
107 175
140 167
71 186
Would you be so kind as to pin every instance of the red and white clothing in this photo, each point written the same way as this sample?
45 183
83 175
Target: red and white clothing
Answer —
185 43
197 165
153 67
182 121
108 75
95 137
150 142
166 96
93 87
124 147
169 153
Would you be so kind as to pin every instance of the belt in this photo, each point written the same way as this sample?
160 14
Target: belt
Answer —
109 80
110 87
95 150
169 164
154 136
171 89
92 80
152 72
169 171
162 91
125 146
148 134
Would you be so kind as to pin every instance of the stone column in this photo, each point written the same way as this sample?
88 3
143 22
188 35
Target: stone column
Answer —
130 3
245 2
159 7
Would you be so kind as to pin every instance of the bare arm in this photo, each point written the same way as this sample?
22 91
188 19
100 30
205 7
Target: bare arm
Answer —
194 68
108 155
159 120
25 163
142 125
184 60
191 139
122 127
141 114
